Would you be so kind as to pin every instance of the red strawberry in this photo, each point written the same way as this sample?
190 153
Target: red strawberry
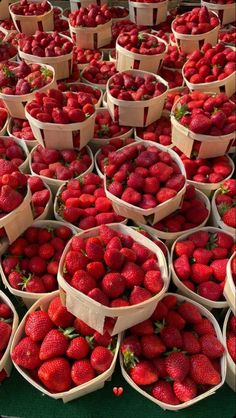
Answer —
82 328
171 337
55 374
182 267
177 366
101 359
5 332
219 269
94 249
191 343
184 247
113 285
82 372
114 259
54 344
202 371
199 238
143 373
26 354
153 281
210 290
130 347
98 295
175 320
231 345
152 346
75 261
162 390
78 348
223 240
59 314
139 295
143 328
10 199
202 255
37 325
185 390
204 326
133 274
83 282
189 312
200 273
211 346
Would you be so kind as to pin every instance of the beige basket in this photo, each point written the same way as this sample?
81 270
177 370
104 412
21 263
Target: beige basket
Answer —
5 362
29 298
7 33
228 10
24 167
148 14
198 398
227 85
153 215
30 24
211 146
170 237
4 11
229 289
55 184
125 60
209 304
132 113
76 392
94 313
16 103
231 366
4 128
188 43
209 188
77 4
62 64
91 38
60 136
216 218
29 144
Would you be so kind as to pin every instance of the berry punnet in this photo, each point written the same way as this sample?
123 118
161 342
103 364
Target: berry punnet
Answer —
159 131
90 16
99 72
210 64
224 201
10 150
60 345
196 22
26 8
199 262
21 129
141 43
84 89
228 37
60 164
104 151
83 203
7 51
31 261
175 355
45 44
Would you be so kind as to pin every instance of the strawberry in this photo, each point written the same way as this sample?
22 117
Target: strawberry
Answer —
59 314
5 311
143 328
189 312
231 344
223 240
82 328
130 347
202 255
54 344
133 274
185 390
101 359
5 332
78 348
113 285
177 366
153 281
199 238
210 290
37 325
26 354
162 390
114 259
171 337
175 320
96 269
82 372
9 199
75 261
229 217
184 247
204 326
182 267
98 295
202 372
94 249
152 346
143 373
83 282
191 343
139 295
55 374
201 273
211 346
219 269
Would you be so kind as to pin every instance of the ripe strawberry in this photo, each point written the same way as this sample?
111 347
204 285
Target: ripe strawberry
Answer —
202 371
10 199
130 348
185 390
177 366
219 269
55 374
113 284
189 312
171 337
59 314
182 267
175 320
143 328
96 269
114 259
191 343
133 274
5 332
82 328
143 373
223 240
26 354
82 372
231 345
5 311
199 238
54 344
98 295
37 325
75 261
202 255
78 348
94 249
210 290
152 346
153 281
211 346
229 217
139 295
101 359
204 326
184 247
162 390
83 282
201 273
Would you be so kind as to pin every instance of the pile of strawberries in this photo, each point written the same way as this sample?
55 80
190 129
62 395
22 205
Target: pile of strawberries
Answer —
90 16
7 51
6 317
83 203
60 164
21 129
22 78
225 200
231 337
44 44
175 355
13 186
228 37
85 56
105 127
174 78
99 72
32 260
26 8
210 64
59 345
206 114
198 21
112 268
86 92
11 151
200 261
174 58
104 150
143 176
40 195
61 108
159 131
141 43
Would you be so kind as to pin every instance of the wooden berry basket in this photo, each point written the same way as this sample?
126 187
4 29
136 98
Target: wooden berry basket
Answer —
17 221
229 289
4 9
77 392
77 4
198 398
30 24
5 362
148 14
126 60
184 290
211 146
62 64
152 215
29 144
231 366
188 43
93 312
16 103
216 218
132 113
60 136
91 38
228 11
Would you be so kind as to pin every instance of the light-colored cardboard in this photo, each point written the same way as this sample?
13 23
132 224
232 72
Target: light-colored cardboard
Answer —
216 218
142 13
4 10
91 38
229 288
30 24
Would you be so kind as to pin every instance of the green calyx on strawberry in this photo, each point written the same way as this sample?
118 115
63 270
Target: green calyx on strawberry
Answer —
68 332
181 111
105 130
130 360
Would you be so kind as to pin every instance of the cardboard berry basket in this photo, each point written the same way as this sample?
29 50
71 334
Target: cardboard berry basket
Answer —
62 64
53 183
24 167
4 128
5 362
148 14
227 85
198 398
16 103
209 188
183 290
7 33
29 298
231 366
228 11
188 43
91 38
77 4
93 312
17 221
29 144
216 218
132 113
211 146
76 392
152 215
230 289
60 136
30 24
126 60
4 9
170 237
